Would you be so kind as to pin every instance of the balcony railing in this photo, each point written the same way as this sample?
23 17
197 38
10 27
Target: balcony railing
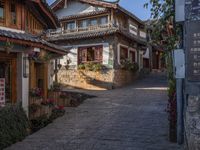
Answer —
62 31
79 30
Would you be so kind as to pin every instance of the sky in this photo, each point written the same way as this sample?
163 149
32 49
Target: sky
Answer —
134 6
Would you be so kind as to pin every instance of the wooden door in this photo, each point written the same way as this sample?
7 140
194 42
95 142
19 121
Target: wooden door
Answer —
9 72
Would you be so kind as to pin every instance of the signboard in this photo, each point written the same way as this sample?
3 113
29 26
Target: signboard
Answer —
2 92
193 51
192 9
180 10
179 63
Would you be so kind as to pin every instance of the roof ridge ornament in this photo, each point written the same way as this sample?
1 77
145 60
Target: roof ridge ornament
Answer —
110 1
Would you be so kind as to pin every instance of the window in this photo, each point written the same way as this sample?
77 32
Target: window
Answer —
70 25
103 20
90 54
1 10
32 24
83 24
13 13
143 34
93 22
133 29
132 56
123 53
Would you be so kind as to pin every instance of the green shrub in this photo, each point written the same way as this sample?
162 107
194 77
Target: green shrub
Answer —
42 121
56 113
13 125
39 123
128 65
91 66
81 67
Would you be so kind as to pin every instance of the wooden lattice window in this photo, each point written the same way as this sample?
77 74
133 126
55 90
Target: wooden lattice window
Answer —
32 24
90 54
123 53
2 10
13 13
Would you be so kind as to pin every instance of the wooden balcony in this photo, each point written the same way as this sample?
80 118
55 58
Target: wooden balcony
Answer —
78 30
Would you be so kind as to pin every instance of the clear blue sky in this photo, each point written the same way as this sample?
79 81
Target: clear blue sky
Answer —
134 6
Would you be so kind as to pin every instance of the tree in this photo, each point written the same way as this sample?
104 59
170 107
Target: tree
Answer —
166 34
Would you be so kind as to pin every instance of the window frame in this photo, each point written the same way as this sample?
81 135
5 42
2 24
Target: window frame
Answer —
2 20
68 23
98 54
132 50
81 21
10 12
119 52
93 19
100 20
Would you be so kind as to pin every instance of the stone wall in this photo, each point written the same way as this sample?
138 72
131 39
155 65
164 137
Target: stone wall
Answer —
123 77
192 123
102 80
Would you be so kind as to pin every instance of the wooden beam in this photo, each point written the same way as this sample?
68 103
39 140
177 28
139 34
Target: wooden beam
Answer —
46 12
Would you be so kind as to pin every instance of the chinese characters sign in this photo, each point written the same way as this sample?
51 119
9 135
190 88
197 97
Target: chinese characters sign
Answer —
193 51
2 92
193 9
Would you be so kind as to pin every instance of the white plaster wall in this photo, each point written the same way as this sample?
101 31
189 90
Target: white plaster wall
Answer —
75 7
140 60
23 83
147 54
143 34
51 73
73 54
106 54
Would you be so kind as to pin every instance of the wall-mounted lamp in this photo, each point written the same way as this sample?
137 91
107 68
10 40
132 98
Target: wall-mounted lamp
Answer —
25 67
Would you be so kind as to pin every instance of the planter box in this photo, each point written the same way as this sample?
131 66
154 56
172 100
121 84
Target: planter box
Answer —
43 111
35 100
55 95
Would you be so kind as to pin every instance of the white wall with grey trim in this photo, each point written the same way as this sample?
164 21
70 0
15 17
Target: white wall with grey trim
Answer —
73 55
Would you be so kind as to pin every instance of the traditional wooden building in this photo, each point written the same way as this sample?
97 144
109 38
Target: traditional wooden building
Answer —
154 57
25 56
97 32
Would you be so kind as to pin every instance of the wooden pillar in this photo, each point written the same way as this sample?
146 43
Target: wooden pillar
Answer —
112 17
32 79
45 77
13 80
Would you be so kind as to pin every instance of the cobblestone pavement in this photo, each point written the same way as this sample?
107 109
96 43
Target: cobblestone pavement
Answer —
129 118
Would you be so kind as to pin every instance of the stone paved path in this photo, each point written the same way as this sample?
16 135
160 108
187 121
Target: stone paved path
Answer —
130 118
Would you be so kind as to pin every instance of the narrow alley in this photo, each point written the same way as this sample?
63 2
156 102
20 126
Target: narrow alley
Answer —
129 118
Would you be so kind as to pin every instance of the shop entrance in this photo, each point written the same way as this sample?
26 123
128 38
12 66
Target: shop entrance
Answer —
5 74
8 72
39 77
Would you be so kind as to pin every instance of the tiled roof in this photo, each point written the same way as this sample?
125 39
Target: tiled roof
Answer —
95 33
84 15
104 4
31 39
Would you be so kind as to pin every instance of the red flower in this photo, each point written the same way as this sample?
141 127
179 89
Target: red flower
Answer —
61 107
